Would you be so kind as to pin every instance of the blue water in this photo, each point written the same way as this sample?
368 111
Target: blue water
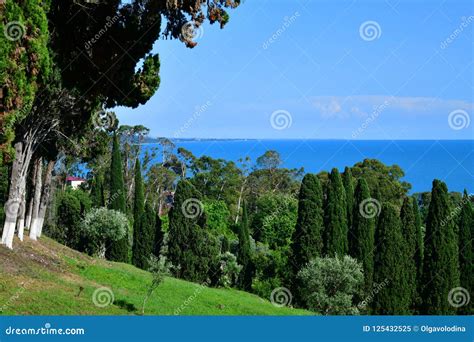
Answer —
422 160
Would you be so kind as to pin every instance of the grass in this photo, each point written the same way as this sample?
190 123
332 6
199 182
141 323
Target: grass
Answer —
47 278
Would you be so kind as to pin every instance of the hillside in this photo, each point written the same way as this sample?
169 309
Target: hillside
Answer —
47 278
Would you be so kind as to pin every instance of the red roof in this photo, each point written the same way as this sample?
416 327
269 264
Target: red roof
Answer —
72 178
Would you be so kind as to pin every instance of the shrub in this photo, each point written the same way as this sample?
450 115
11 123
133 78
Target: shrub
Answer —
68 217
328 285
101 225
229 270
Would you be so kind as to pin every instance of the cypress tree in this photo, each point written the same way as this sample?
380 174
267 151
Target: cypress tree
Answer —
307 237
118 250
159 236
466 251
440 263
389 276
243 256
348 182
408 219
97 192
143 246
191 248
336 217
418 254
361 238
138 214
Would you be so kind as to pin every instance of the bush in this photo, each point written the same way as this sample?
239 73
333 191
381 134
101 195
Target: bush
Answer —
101 225
229 270
329 284
68 217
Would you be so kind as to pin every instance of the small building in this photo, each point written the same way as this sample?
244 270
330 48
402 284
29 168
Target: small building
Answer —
74 182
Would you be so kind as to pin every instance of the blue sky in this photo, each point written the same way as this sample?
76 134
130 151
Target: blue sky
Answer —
285 69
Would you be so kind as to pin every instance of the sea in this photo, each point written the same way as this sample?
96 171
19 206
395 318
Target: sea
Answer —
451 161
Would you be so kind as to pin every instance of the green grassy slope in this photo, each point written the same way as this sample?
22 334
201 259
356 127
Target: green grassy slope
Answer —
46 278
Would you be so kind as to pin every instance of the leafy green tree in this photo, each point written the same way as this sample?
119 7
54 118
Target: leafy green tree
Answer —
119 249
69 215
441 260
348 182
336 231
191 249
218 218
97 192
139 254
388 266
101 226
307 242
409 232
362 234
329 285
466 250
244 257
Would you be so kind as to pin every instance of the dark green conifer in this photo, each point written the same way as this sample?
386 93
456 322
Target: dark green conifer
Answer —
243 256
348 182
466 251
138 214
408 219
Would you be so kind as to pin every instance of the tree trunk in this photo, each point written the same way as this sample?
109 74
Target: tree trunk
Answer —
239 202
45 196
37 199
31 202
21 219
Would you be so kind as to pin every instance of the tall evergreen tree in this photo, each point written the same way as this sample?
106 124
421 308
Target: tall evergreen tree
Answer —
143 245
418 253
348 182
389 276
117 251
361 238
138 213
97 192
335 233
466 250
159 236
307 237
441 261
243 256
191 249
408 219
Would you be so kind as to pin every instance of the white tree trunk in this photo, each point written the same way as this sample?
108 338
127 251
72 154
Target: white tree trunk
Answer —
30 212
45 197
21 219
37 199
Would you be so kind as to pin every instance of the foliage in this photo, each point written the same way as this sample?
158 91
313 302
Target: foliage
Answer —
159 236
466 249
119 249
389 267
229 269
335 220
140 229
329 284
159 269
144 238
97 192
244 257
348 182
409 232
361 234
102 225
218 217
441 264
68 216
